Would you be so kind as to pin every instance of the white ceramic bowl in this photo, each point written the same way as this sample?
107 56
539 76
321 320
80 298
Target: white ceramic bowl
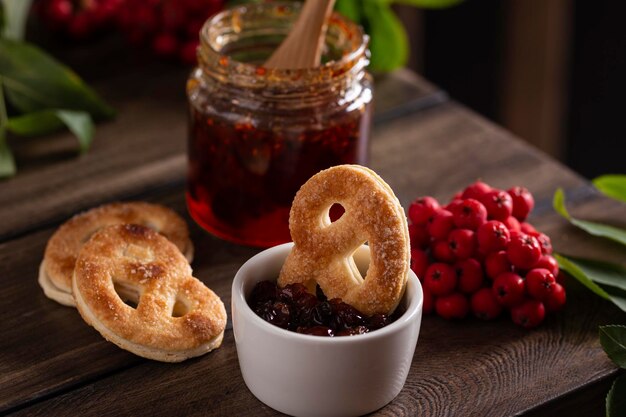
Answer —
306 375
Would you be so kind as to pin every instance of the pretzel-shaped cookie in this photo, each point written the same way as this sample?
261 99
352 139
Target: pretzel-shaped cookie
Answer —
322 251
55 272
176 317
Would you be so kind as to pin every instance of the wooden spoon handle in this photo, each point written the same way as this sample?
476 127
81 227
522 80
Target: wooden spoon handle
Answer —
302 48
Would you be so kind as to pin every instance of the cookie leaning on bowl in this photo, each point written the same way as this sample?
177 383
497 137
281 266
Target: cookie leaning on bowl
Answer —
176 317
322 251
55 272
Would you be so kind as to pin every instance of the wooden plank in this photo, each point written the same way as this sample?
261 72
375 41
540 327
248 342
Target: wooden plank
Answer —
143 149
52 362
459 368
588 401
47 348
44 347
439 151
401 93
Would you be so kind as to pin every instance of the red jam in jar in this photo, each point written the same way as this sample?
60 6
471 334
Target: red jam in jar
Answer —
256 134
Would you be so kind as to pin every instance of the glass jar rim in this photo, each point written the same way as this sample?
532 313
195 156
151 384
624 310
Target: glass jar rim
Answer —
331 69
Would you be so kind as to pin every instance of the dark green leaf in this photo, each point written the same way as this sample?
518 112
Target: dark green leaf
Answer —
350 9
48 121
429 4
15 15
389 44
613 340
572 268
35 81
596 229
617 296
7 163
613 186
613 294
616 398
604 273
602 230
35 124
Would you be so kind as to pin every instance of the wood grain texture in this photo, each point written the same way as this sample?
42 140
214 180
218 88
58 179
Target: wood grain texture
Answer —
44 347
51 363
144 148
460 368
588 401
47 348
145 145
439 151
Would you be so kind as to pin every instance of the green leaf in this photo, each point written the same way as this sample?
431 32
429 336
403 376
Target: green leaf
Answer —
572 268
616 398
596 229
429 4
604 273
350 9
389 44
588 277
48 121
15 14
35 81
7 163
613 340
35 124
602 230
80 124
613 186
558 202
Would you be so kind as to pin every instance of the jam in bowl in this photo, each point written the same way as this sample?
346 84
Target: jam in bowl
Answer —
307 375
296 309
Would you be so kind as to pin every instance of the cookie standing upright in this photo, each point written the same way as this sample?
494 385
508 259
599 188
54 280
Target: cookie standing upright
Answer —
55 271
322 251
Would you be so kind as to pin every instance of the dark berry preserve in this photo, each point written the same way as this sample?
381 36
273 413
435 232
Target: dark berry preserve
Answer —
256 134
294 308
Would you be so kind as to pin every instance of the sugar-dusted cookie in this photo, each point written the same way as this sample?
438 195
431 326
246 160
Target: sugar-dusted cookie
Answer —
135 287
322 251
55 272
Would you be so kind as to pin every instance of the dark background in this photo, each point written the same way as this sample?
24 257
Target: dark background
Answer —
552 71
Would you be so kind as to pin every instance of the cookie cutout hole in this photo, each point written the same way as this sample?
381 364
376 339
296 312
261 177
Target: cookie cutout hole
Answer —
360 262
127 293
333 214
180 308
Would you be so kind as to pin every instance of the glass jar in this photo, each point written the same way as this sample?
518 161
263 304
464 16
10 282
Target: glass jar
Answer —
257 134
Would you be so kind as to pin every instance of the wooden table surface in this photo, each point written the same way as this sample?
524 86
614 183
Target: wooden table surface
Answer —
52 363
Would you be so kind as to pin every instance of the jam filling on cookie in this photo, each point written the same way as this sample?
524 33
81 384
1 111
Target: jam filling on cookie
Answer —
294 308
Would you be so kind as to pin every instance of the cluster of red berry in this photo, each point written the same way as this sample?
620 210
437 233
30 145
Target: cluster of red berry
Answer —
78 19
169 27
477 253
